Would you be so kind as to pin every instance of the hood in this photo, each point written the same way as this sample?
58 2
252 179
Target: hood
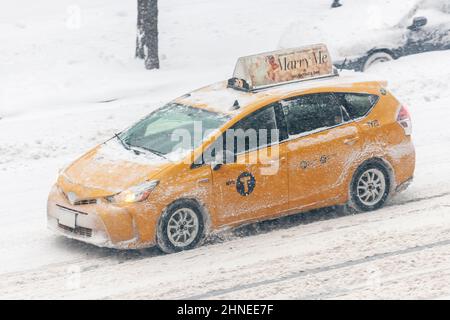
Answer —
109 169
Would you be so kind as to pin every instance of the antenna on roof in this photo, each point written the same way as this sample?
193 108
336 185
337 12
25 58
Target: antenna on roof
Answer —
236 105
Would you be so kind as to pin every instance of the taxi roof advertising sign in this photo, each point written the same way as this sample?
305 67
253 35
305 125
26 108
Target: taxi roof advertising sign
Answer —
282 66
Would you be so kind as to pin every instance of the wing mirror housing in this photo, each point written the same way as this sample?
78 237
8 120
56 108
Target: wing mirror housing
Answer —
222 158
215 165
217 162
418 23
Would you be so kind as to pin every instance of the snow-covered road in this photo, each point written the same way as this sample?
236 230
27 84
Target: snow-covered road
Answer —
53 107
402 250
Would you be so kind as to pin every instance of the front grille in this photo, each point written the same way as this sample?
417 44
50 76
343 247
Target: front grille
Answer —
71 210
82 202
81 231
85 202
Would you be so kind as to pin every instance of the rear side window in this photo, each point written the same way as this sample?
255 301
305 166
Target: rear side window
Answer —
312 112
358 104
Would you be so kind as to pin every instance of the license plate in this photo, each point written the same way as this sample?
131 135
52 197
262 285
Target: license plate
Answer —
67 218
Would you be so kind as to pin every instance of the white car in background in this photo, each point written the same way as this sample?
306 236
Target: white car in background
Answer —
361 36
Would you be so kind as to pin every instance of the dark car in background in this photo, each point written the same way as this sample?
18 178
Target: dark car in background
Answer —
418 37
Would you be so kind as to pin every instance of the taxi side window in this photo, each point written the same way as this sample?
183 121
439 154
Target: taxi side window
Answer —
357 105
255 131
313 112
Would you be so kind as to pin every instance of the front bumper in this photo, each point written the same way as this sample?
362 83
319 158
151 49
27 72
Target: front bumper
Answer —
102 224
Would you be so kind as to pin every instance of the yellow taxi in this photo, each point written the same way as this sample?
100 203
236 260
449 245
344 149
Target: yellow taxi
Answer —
286 134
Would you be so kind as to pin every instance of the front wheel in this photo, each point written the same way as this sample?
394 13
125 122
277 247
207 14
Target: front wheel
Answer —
181 228
375 58
370 187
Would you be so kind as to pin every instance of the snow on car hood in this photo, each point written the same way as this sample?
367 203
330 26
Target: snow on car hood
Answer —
110 168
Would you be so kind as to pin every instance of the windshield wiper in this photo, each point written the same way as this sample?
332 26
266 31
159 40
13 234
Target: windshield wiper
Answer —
162 155
126 145
132 147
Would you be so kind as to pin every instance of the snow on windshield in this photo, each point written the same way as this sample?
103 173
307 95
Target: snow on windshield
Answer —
113 151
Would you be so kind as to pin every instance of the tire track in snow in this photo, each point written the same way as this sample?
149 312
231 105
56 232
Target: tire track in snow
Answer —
336 294
413 200
314 271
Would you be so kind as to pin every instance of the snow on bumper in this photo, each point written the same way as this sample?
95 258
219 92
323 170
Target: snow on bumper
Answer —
100 224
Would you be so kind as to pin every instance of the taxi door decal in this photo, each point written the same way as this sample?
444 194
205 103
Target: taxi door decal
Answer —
245 184
322 161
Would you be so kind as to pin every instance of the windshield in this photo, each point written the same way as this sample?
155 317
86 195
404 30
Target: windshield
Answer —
173 128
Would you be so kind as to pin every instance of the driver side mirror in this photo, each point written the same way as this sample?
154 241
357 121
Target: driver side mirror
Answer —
418 23
216 164
222 158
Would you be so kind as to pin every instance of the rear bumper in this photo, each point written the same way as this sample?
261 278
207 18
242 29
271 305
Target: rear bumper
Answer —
405 185
101 224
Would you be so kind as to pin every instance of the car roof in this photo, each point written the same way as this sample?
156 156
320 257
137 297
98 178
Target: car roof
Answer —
221 99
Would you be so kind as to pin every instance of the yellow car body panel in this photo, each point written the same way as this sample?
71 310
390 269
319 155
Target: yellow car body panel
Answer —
314 170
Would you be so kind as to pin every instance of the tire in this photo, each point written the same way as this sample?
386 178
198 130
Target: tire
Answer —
181 227
370 187
375 58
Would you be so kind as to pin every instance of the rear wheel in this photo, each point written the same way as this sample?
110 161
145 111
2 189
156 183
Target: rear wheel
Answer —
181 228
375 58
370 187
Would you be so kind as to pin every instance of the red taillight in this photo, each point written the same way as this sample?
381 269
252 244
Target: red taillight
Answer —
403 114
404 119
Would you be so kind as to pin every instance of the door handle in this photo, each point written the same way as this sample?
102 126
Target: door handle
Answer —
276 160
351 141
205 180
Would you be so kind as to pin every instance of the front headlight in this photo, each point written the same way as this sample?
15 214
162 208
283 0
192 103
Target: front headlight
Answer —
135 194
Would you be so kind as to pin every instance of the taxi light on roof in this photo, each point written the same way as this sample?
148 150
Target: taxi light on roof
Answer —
282 66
